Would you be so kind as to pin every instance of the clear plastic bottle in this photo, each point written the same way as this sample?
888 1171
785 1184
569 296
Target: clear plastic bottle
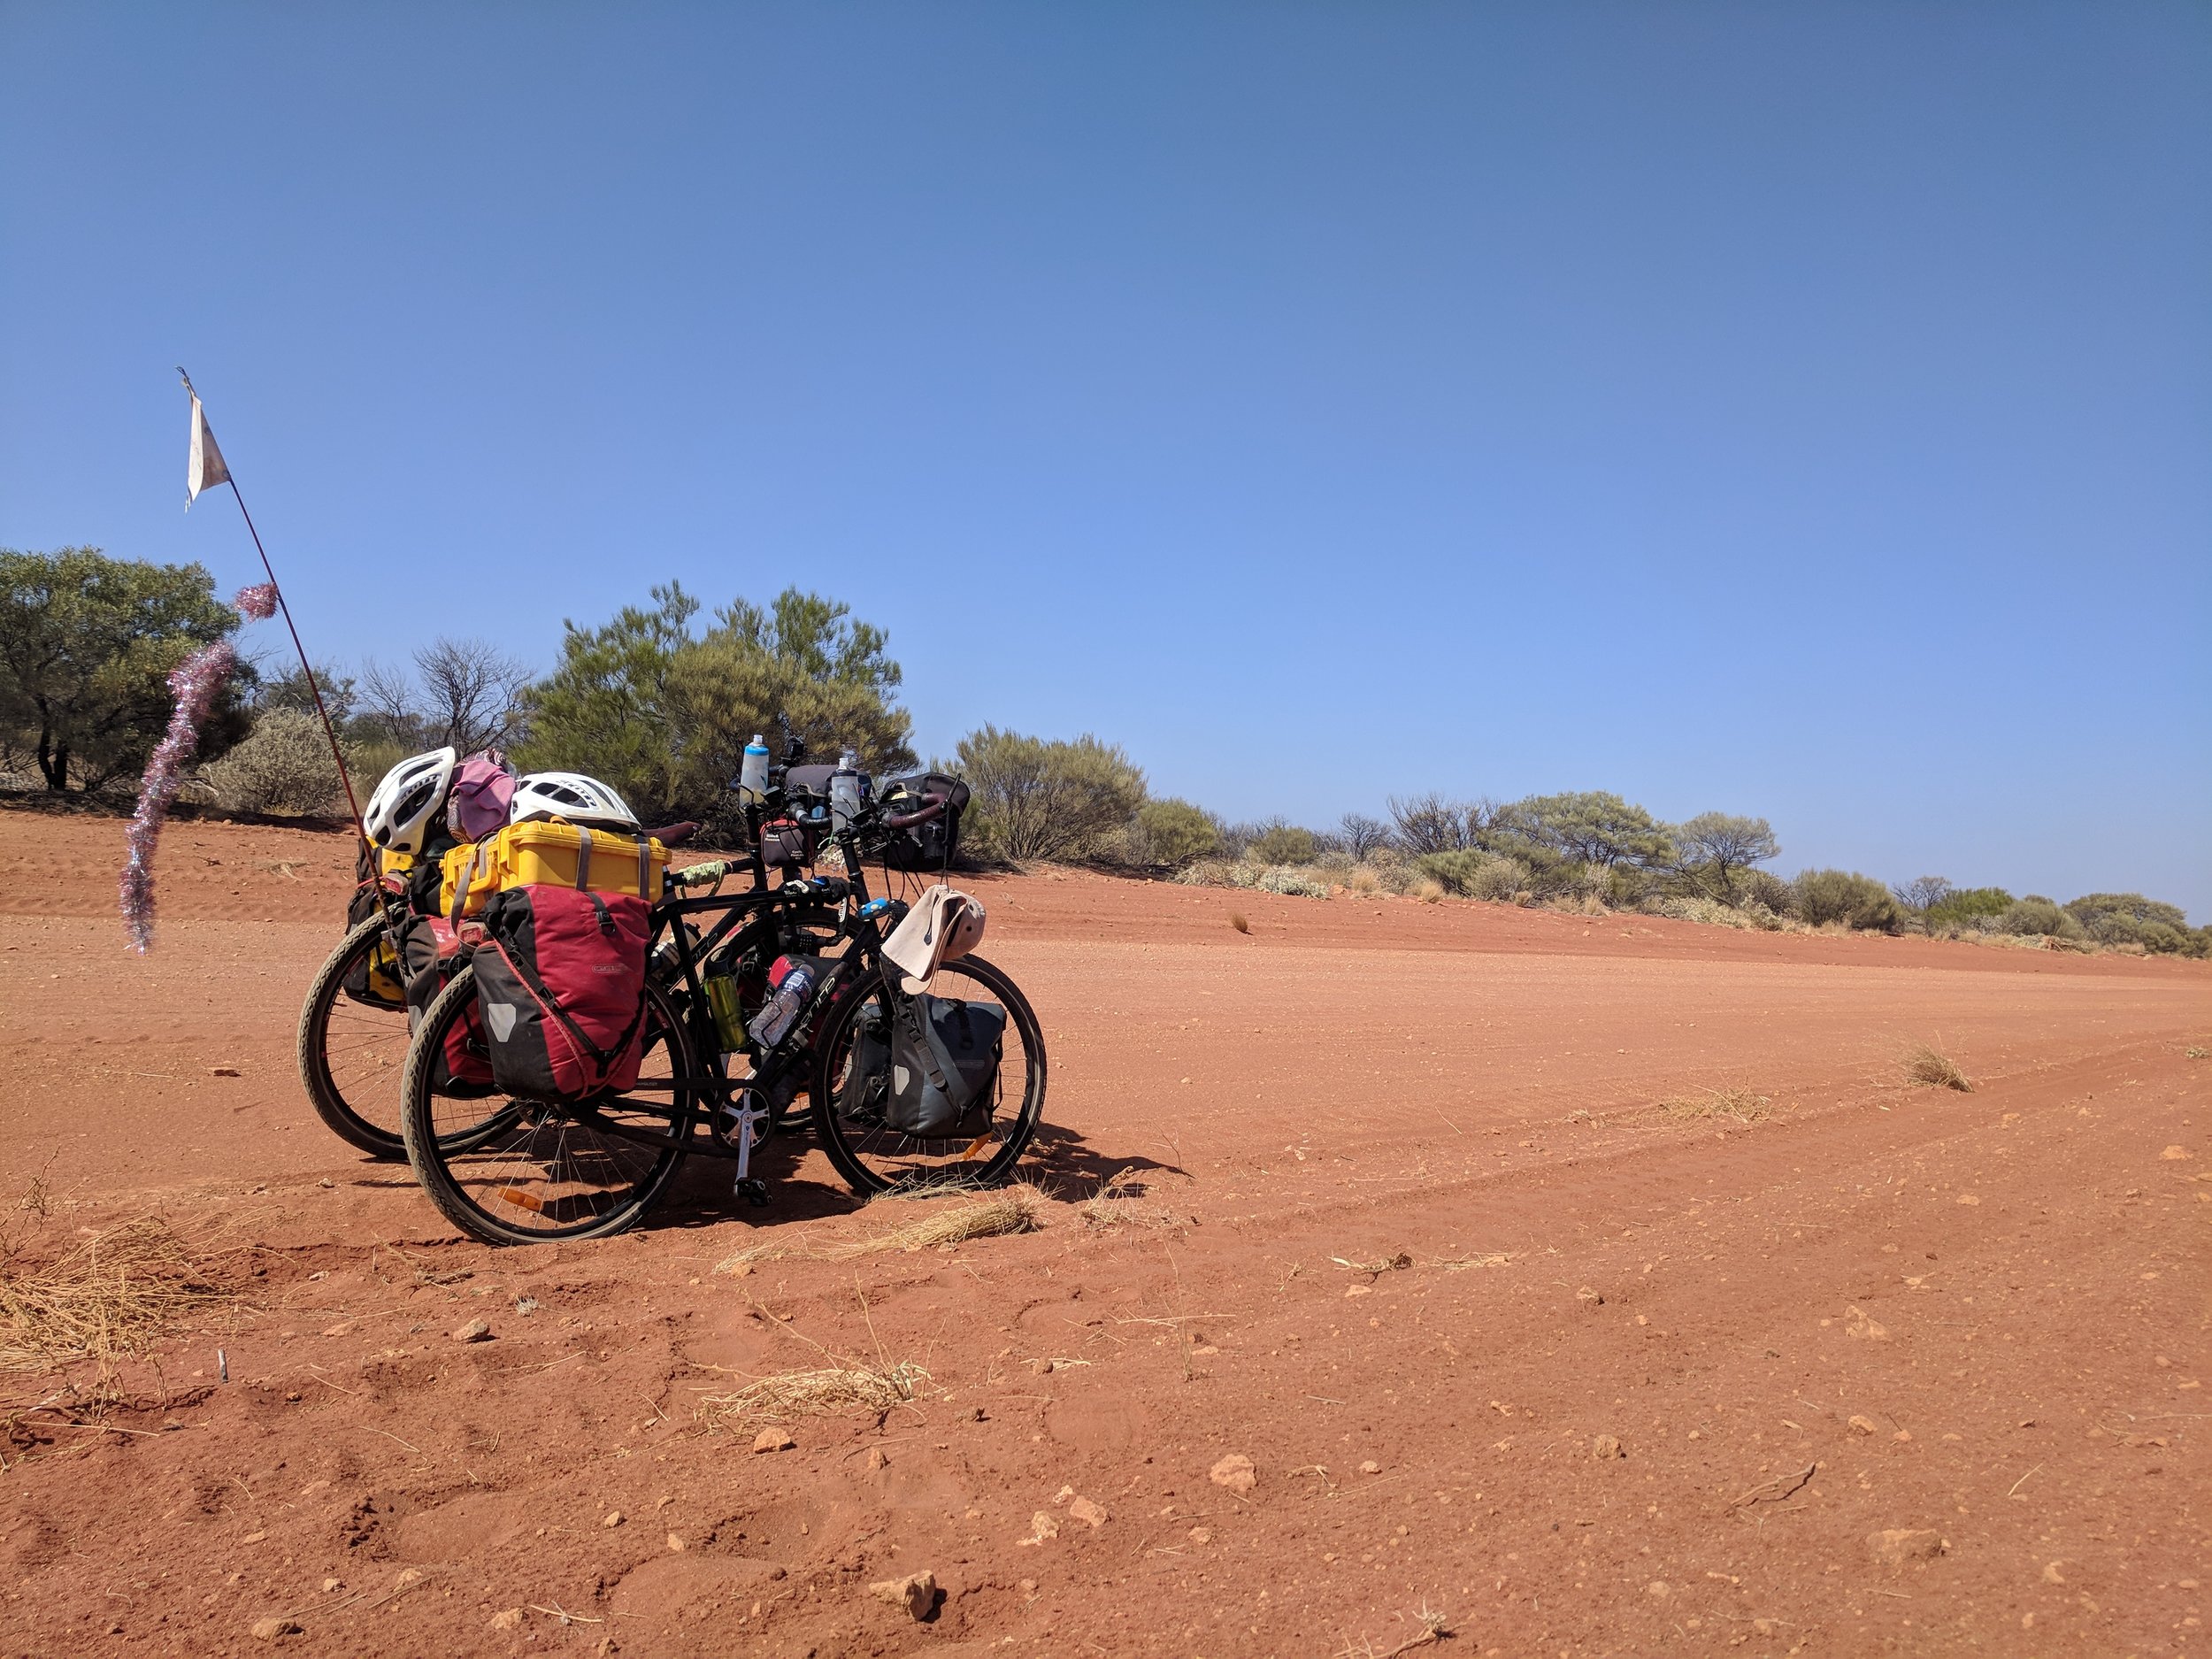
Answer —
844 791
752 778
794 983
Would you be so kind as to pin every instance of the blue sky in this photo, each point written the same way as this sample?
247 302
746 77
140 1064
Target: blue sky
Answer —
1799 410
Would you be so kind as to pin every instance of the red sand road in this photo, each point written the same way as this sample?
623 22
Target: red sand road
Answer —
1978 1320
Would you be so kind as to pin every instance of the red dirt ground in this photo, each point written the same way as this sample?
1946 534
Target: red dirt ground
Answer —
2006 1290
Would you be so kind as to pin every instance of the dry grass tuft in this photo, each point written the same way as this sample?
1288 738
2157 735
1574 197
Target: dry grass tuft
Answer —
1933 1069
824 1391
1240 921
109 1299
979 1215
1740 1105
1120 1202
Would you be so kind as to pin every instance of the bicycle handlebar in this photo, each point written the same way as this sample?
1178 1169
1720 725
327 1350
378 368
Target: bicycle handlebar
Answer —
675 834
908 820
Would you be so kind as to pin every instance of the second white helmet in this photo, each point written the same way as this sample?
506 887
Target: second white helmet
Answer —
400 810
572 796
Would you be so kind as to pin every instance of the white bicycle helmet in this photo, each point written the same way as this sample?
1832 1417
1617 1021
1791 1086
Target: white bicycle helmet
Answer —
408 798
570 795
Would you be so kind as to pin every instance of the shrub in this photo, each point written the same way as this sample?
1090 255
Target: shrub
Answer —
1037 799
2036 916
1283 844
1361 834
1963 907
1856 900
1476 875
1363 880
1172 831
1431 823
2129 918
283 765
1296 884
1762 889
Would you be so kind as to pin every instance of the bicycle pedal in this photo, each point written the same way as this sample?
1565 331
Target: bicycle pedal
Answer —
754 1192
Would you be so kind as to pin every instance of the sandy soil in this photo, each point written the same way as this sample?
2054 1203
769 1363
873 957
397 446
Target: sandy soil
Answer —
1635 1383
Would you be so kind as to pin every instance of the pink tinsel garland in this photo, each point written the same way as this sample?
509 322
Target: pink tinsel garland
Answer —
195 682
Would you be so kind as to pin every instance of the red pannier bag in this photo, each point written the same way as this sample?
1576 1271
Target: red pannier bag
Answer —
560 985
429 954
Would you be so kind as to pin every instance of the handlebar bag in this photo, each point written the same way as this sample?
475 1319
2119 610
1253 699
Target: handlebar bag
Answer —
429 952
560 983
944 1064
931 845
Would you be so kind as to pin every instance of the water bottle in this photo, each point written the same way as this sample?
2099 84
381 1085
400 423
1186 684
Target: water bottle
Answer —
844 792
752 778
795 988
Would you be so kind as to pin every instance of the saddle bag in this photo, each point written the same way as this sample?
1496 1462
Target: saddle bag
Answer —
560 983
931 845
944 1058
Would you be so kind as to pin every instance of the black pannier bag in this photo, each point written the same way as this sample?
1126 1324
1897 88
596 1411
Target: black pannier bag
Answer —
943 1061
429 955
931 845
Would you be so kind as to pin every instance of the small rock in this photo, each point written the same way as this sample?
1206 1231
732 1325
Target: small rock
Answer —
1371 1467
224 1071
1858 1323
1863 1425
614 1518
2176 1155
1234 1471
876 1459
916 1592
1041 1527
1359 1290
507 1618
1062 1495
1901 1436
2051 1574
1589 1297
773 1439
1607 1447
474 1330
1898 1545
275 1629
332 1584
1658 1590
1084 1511
676 1542
325 1182
1200 1535
253 1538
1968 1198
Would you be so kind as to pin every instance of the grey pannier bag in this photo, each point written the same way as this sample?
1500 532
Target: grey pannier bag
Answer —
944 1066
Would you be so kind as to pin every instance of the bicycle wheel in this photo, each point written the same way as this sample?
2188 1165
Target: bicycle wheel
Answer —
519 1171
352 1043
873 1156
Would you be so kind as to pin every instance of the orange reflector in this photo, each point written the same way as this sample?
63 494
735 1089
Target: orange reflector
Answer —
975 1148
521 1200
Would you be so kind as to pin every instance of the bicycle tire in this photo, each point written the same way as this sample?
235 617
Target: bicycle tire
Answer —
344 1107
514 1135
850 1152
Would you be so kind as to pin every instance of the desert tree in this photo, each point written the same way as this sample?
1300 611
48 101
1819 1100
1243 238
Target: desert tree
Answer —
1361 834
1713 847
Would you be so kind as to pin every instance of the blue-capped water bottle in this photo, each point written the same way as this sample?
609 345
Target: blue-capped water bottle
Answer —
844 792
752 776
794 983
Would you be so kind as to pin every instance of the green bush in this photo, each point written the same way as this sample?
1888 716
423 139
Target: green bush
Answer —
664 715
1283 844
1473 874
1589 827
1714 849
1031 798
1172 831
1858 902
2036 916
2129 918
1962 907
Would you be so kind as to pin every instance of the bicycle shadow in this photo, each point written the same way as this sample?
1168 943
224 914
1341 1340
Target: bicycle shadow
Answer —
803 1186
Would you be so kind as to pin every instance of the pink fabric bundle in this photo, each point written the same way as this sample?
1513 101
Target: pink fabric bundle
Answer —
483 787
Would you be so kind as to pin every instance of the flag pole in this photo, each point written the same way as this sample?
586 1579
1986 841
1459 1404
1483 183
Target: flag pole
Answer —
353 807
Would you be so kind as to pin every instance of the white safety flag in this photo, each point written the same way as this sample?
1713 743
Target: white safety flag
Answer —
206 469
